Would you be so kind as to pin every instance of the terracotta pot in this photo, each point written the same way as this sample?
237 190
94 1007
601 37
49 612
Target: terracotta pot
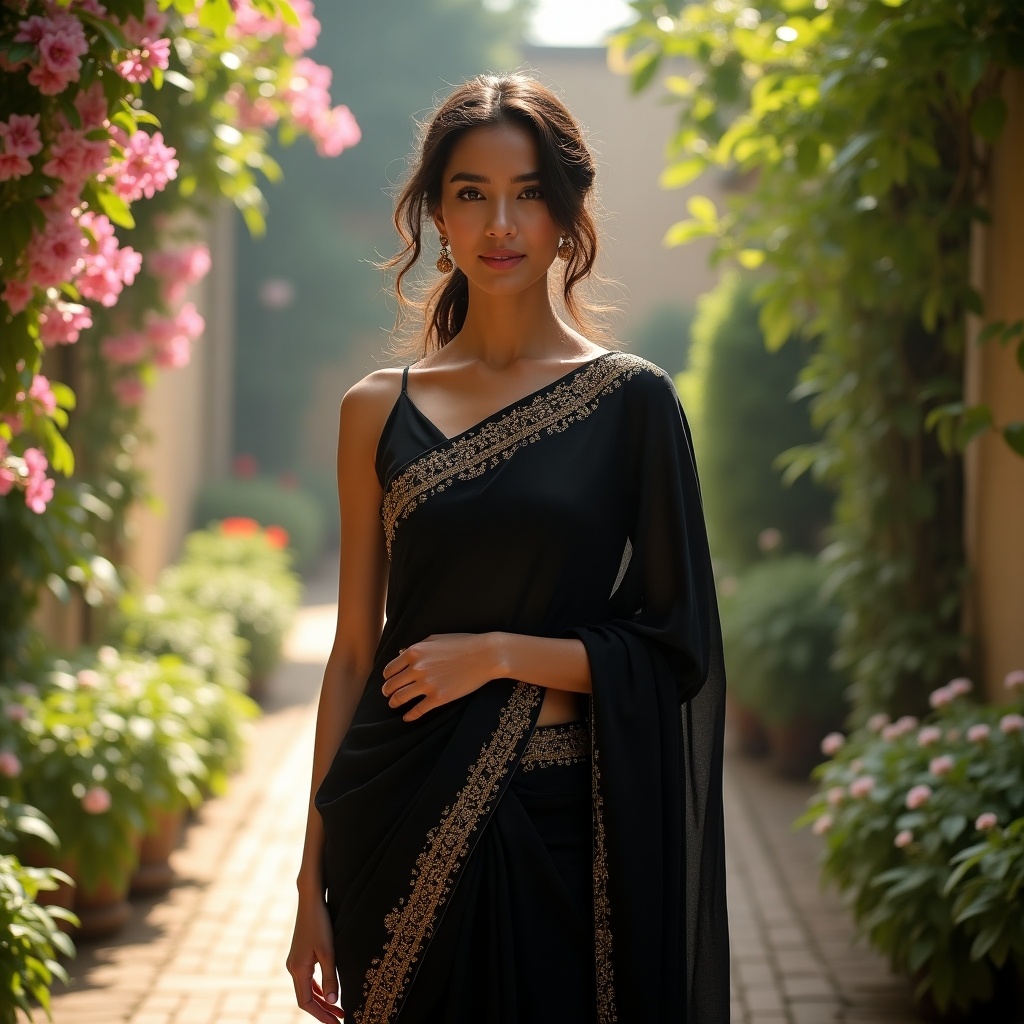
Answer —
795 746
154 873
103 909
747 726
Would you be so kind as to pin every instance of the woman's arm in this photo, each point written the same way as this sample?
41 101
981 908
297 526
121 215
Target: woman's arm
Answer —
362 581
446 666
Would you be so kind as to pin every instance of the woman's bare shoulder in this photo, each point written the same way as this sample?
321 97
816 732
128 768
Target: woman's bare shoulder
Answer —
366 405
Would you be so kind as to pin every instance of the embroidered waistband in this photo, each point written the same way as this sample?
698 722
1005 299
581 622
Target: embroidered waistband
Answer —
557 744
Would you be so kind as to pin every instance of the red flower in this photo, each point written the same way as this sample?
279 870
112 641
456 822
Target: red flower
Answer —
239 526
277 536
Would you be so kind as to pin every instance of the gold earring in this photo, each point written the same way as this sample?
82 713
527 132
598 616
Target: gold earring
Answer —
444 261
565 248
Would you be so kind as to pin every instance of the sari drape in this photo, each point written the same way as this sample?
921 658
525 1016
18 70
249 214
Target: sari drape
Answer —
574 511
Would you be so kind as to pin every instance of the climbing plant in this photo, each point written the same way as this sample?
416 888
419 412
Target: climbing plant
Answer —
856 135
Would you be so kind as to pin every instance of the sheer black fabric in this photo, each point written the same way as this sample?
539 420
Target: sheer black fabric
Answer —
573 512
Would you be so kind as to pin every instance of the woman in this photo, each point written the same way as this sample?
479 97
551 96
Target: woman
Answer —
515 812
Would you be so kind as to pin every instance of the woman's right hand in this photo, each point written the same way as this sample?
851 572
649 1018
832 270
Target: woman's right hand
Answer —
313 943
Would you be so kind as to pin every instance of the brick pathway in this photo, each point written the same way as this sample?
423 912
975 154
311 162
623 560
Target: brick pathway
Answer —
212 950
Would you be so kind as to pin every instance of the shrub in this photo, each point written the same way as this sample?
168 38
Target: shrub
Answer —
30 938
745 420
156 624
271 504
779 635
262 605
922 829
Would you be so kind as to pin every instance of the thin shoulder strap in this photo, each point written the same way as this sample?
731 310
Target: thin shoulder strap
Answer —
405 380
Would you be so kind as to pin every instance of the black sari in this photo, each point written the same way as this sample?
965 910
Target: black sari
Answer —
573 512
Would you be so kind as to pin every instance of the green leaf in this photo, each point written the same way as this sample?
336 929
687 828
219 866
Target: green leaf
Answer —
1013 434
643 68
216 15
989 117
680 174
686 231
751 258
975 420
808 153
115 208
703 209
952 826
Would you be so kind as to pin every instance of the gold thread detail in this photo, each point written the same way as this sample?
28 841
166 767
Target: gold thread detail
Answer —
411 924
556 745
485 446
606 1012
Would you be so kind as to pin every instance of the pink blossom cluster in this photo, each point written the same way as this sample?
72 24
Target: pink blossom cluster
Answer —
60 44
167 340
107 266
901 727
29 472
308 95
96 800
146 166
62 322
832 744
1014 680
945 695
10 764
297 38
150 50
179 268
918 796
19 140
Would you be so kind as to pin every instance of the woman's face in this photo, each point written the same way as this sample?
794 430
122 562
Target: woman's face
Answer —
493 210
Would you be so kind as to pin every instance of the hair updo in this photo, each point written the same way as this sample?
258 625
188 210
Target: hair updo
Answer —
567 175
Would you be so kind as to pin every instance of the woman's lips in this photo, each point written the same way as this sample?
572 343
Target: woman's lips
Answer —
503 259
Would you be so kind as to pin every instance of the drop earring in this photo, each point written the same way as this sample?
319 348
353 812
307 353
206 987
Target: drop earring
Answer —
444 261
565 248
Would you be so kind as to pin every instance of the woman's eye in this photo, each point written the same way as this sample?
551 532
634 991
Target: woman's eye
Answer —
532 193
468 193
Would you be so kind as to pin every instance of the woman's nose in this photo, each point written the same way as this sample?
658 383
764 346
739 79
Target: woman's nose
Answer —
502 222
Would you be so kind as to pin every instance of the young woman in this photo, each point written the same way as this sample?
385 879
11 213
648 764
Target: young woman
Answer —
516 810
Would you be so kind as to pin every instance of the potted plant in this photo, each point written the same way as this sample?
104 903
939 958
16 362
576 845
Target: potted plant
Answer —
778 630
922 829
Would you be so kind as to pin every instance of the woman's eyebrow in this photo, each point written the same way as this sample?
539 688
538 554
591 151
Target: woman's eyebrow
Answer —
482 180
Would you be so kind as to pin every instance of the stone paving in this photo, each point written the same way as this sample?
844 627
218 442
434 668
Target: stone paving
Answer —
212 950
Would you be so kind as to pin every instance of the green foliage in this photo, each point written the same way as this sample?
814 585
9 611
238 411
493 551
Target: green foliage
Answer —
861 133
779 634
244 577
746 421
270 503
932 883
30 938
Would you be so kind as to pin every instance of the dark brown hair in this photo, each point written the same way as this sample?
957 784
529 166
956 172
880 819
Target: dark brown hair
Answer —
567 175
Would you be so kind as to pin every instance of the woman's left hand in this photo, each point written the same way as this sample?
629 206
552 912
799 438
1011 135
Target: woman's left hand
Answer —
439 669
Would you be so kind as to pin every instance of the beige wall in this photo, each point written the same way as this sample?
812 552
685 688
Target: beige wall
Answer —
995 474
629 134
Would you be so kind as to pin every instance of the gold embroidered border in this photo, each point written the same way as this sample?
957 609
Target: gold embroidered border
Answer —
471 454
411 923
556 745
606 1012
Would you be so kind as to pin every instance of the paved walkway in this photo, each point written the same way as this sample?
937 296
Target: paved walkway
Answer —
212 950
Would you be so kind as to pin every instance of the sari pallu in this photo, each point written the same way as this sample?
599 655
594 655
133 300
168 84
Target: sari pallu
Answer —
574 511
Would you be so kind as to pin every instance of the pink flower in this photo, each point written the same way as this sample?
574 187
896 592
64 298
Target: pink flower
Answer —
20 133
1011 723
876 723
39 489
126 349
297 38
13 165
918 797
987 820
941 765
89 678
75 158
16 712
1014 680
146 168
140 63
929 735
42 393
54 254
17 294
91 105
835 796
107 267
153 24
903 839
60 44
62 323
9 764
861 786
822 825
96 800
129 390
960 687
942 697
336 130
832 744
979 733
